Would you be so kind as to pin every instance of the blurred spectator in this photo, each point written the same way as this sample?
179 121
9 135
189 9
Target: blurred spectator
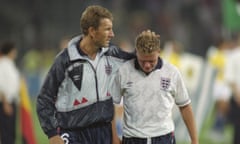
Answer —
188 64
9 92
217 57
35 65
172 52
233 78
64 42
32 65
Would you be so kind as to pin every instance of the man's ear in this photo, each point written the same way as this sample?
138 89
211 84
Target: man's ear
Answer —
91 31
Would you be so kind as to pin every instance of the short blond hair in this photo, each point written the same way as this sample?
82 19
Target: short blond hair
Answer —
147 42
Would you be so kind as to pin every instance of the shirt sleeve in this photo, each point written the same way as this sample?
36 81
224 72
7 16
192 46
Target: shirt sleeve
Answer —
115 88
181 94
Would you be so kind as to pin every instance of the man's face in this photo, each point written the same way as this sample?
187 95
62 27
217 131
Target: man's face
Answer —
104 33
149 61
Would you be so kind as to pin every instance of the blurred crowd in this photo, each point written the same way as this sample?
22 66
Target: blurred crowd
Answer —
37 25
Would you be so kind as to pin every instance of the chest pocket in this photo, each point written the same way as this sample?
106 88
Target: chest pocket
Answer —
75 73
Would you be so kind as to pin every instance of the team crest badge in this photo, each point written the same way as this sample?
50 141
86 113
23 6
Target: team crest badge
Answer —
108 69
165 83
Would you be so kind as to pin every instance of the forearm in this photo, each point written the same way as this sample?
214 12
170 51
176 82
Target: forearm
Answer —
2 98
118 111
7 106
46 114
115 137
189 121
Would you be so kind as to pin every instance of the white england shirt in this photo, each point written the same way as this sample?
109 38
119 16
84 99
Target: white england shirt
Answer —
148 100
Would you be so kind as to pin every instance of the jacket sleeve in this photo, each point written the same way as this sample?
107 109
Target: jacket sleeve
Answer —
46 109
116 51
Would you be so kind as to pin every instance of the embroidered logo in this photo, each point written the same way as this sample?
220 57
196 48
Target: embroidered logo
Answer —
165 83
108 69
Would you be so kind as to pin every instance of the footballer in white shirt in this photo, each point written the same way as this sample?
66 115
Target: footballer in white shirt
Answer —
150 87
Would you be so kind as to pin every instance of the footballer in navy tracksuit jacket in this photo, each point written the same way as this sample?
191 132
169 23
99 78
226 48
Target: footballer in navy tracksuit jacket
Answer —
74 101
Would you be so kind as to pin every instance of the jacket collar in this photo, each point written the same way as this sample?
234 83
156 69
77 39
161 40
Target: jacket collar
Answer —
76 53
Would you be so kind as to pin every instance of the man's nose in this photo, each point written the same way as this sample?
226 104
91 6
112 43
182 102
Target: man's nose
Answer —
147 64
112 34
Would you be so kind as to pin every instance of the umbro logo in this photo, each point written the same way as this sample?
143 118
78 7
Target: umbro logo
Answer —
129 84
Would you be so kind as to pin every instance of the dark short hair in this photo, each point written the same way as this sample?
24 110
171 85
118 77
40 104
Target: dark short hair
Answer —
7 47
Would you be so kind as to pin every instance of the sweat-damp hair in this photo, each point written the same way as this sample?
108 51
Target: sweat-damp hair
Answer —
147 42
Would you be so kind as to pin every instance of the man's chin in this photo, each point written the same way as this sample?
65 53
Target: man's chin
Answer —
148 71
106 45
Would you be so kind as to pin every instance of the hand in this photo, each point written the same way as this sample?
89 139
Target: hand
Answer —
7 108
116 141
56 140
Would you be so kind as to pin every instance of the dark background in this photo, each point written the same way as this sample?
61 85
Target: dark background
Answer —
41 24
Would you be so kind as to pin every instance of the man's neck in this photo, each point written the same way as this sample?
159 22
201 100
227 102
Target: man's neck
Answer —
88 47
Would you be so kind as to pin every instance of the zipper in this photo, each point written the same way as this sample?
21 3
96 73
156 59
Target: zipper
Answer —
95 75
96 80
